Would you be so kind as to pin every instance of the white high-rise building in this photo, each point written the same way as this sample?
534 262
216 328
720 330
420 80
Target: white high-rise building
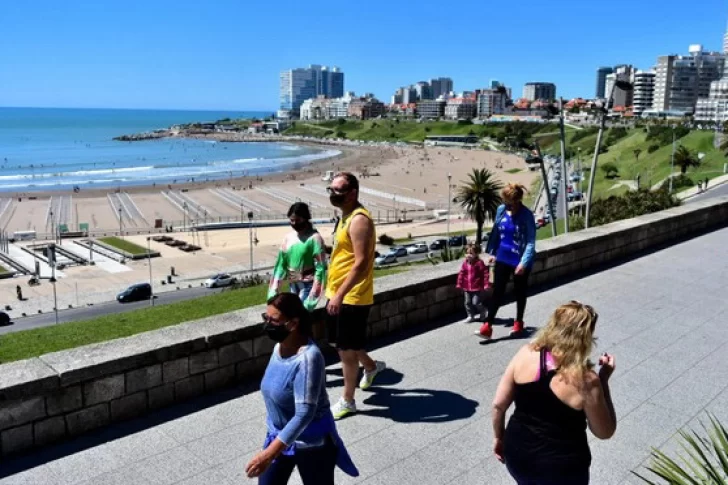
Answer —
298 85
714 107
644 91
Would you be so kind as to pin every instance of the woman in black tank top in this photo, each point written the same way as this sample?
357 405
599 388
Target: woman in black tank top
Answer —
545 442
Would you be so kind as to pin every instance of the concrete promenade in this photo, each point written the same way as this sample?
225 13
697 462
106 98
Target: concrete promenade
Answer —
427 421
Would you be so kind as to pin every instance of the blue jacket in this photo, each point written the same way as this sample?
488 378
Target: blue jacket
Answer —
526 226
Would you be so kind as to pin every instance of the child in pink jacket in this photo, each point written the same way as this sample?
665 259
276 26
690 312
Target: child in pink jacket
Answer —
474 280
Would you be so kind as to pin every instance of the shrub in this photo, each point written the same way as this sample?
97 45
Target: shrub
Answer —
576 223
386 240
663 134
615 134
340 134
632 204
653 148
341 121
610 170
682 181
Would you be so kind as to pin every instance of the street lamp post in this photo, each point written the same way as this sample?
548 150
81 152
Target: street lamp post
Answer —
184 216
449 200
242 209
552 211
149 259
52 249
672 159
564 175
121 233
626 86
250 230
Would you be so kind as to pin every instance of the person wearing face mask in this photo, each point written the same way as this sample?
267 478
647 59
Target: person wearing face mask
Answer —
301 260
301 432
512 246
350 289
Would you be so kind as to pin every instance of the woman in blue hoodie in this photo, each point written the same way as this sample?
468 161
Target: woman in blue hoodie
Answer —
512 245
301 429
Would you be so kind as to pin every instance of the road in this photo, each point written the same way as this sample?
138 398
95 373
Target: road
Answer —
711 193
102 309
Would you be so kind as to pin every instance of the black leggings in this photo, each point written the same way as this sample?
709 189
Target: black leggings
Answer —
501 275
315 465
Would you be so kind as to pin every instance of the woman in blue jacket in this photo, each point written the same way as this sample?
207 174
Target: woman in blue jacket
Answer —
512 245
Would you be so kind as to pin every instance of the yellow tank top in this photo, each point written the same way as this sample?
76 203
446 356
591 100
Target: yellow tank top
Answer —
342 260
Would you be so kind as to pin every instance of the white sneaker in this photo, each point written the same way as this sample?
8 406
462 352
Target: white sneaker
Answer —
343 408
368 378
470 320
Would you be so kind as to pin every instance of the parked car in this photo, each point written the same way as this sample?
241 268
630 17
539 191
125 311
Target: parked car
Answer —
575 196
417 248
438 244
388 258
4 319
458 241
399 251
220 280
137 292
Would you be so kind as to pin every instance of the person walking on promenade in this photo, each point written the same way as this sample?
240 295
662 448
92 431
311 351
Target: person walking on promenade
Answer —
474 280
557 394
706 183
301 259
301 430
512 246
350 288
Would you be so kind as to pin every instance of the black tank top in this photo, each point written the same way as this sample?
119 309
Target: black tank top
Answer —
545 437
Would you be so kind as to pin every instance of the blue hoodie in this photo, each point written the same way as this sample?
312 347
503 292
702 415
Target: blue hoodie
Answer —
526 225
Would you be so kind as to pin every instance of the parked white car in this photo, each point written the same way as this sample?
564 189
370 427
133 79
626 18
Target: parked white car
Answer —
417 248
220 280
388 258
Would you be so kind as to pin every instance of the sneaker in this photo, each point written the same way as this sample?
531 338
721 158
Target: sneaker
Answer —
343 408
368 378
470 320
486 331
517 328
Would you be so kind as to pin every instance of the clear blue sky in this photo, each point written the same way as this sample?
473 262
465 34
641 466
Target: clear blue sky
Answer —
227 54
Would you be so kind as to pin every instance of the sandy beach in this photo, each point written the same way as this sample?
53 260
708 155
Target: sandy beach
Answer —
394 179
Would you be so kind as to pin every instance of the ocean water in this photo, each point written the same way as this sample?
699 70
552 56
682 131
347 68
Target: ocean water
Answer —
48 149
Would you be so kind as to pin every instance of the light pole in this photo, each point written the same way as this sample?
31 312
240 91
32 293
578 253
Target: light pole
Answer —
52 249
250 231
581 184
449 200
672 159
564 175
545 177
121 233
149 259
625 86
242 209
184 216
53 226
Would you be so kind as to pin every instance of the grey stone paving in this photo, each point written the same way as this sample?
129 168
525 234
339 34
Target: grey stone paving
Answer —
428 420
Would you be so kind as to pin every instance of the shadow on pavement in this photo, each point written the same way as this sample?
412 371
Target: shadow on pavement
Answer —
418 405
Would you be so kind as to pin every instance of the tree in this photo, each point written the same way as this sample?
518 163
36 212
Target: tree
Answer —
480 197
637 154
610 170
685 159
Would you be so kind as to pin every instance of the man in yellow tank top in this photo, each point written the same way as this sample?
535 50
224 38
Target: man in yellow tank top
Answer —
350 288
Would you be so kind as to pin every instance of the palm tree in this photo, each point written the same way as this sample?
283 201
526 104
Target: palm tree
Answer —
685 159
480 197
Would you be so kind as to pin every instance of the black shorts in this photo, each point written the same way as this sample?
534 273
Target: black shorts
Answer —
350 327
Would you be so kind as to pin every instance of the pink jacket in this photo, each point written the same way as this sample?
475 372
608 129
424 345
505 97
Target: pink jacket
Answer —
474 277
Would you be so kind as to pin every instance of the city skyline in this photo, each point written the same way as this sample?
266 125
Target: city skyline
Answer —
230 58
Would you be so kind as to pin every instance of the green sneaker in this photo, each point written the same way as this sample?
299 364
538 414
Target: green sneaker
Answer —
368 378
343 408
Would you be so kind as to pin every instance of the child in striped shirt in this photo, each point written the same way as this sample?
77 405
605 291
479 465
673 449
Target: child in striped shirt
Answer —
474 280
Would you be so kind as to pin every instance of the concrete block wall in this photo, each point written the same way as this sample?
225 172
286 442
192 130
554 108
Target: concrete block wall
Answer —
65 394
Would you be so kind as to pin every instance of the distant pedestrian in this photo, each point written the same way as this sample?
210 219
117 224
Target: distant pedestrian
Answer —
706 183
512 247
474 280
700 185
350 288
545 442
301 430
301 259
19 292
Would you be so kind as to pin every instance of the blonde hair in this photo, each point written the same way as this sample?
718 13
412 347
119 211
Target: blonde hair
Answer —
513 192
569 336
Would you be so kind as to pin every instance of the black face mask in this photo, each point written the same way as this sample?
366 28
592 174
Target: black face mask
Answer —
337 199
299 226
277 333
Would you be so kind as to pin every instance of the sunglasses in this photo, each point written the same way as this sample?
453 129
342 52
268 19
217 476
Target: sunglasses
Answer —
267 319
332 190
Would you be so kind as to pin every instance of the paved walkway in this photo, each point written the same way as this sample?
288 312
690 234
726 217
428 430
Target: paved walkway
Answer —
428 420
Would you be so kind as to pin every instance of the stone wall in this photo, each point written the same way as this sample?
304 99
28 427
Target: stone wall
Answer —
68 393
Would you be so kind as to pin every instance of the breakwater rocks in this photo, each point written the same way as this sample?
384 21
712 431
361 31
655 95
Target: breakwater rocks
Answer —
152 135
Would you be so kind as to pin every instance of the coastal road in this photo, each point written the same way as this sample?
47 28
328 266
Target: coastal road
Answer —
711 193
102 309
